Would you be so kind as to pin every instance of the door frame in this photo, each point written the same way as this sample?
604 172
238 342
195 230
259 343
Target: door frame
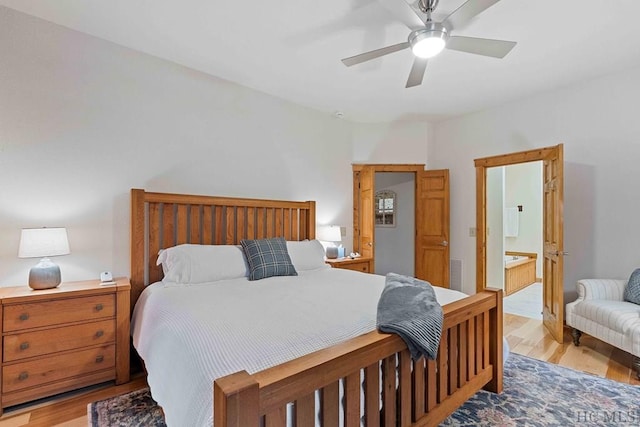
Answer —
376 167
482 164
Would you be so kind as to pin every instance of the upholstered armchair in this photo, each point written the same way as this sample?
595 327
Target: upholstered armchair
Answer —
602 312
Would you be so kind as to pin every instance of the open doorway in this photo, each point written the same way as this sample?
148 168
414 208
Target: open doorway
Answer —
553 238
431 223
514 236
394 223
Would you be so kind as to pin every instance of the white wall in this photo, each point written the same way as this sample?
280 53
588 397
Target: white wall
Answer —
598 124
399 142
395 246
83 120
523 186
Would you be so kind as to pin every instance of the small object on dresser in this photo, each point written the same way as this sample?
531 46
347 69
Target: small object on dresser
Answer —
43 243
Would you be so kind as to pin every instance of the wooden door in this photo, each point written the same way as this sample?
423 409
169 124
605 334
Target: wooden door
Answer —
432 227
553 288
363 218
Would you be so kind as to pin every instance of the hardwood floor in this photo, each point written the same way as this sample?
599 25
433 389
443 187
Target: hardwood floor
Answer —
530 338
525 336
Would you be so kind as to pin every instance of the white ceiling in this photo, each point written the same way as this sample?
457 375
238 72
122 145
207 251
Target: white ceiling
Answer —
292 48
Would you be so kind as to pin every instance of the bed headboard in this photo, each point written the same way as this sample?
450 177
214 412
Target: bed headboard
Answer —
162 220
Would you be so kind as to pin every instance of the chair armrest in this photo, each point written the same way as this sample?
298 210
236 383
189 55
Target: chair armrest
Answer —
605 289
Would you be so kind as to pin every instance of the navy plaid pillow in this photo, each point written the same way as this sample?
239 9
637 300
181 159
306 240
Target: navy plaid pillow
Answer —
632 291
267 258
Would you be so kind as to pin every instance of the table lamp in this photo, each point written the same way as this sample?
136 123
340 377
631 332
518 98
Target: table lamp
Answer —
330 233
43 243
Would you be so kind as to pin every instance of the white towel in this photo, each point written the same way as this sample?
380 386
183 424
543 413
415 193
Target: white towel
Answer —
511 222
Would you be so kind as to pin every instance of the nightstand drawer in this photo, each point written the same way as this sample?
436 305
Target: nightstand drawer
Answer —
358 266
31 344
54 312
30 374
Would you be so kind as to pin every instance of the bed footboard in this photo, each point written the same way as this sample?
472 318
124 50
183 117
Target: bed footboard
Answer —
397 390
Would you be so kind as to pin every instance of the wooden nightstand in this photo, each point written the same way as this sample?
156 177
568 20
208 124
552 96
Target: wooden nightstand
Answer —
357 264
61 339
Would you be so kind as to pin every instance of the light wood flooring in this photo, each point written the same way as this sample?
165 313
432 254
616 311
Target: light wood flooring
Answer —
525 336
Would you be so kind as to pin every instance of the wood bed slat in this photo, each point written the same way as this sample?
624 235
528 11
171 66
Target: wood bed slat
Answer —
471 346
271 224
195 225
330 403
352 400
230 226
372 395
463 354
294 225
207 225
286 224
276 418
241 224
432 385
219 221
168 225
155 227
261 229
453 359
389 390
418 380
278 215
443 368
305 409
251 222
479 342
404 391
182 223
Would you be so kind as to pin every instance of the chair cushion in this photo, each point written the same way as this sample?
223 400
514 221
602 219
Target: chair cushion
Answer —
619 316
632 291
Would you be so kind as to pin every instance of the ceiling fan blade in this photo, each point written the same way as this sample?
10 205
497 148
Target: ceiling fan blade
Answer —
417 72
373 54
403 12
485 47
465 13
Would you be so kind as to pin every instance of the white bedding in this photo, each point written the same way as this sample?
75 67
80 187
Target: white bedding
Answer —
190 335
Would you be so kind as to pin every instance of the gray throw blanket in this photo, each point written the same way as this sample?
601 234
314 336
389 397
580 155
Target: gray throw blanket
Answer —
408 307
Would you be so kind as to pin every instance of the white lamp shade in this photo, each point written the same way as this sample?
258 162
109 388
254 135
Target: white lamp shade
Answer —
329 233
43 242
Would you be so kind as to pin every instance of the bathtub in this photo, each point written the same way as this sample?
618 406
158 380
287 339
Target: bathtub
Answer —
519 271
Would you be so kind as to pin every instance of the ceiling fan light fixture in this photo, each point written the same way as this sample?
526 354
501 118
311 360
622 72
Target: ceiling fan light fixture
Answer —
428 42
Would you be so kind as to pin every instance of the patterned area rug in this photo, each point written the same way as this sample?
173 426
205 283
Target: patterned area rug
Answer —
540 394
132 409
536 394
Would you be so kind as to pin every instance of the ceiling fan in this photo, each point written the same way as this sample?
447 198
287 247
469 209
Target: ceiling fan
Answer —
428 38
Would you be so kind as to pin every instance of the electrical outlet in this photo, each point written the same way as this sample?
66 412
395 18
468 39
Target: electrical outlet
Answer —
343 231
472 232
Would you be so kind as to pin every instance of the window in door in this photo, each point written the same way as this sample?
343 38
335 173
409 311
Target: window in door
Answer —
385 208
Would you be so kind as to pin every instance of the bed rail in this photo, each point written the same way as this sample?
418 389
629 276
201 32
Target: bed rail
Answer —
397 390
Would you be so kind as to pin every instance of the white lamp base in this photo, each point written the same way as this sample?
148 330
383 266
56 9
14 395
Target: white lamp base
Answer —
44 275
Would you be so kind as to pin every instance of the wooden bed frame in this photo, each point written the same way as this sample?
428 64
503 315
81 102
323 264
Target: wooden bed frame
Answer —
397 391
519 274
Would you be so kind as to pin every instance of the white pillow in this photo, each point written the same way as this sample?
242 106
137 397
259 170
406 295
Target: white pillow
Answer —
306 255
202 263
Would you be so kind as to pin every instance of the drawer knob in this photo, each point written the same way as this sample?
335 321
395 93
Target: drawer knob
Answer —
99 333
99 307
24 316
23 376
99 359
24 345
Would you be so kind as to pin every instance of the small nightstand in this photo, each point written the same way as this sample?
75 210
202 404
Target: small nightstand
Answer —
361 264
62 339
